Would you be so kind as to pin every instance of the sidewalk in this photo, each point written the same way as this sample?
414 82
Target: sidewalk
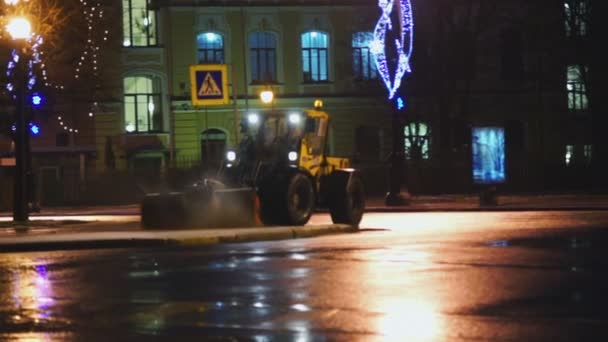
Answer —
82 227
458 202
471 202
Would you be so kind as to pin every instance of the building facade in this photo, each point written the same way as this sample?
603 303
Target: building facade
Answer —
518 65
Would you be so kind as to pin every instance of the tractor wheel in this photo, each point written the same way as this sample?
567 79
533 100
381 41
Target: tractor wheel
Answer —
348 206
300 200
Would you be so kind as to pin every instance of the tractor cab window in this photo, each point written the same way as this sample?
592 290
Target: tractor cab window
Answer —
315 134
272 130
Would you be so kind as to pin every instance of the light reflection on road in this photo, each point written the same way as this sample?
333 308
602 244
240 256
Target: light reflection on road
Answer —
32 291
403 310
371 286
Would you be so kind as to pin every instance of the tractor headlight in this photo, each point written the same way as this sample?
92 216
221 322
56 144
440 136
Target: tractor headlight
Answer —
294 118
231 156
253 119
292 156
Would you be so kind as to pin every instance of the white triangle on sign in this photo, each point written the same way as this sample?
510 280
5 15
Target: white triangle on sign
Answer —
209 87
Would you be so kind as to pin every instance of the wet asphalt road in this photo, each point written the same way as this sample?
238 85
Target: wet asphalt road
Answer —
501 276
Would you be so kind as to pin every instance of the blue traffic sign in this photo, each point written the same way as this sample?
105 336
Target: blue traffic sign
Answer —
209 84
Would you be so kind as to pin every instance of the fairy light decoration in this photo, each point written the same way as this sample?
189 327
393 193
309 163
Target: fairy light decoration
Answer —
93 14
35 43
403 44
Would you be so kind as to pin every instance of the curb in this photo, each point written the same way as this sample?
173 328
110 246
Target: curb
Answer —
38 243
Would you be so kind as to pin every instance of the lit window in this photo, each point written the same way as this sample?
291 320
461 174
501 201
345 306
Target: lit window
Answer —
417 138
139 23
576 87
263 52
363 63
588 152
569 154
142 100
210 48
576 18
315 56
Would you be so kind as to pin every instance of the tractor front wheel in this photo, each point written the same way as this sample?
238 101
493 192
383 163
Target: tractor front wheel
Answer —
300 200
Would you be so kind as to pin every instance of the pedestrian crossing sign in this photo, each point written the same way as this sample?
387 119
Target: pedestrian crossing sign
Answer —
209 84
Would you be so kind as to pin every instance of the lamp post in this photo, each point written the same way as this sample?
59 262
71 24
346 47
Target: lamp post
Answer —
392 49
20 30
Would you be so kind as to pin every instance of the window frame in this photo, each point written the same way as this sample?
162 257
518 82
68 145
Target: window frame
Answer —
155 96
576 18
214 51
264 55
322 58
417 139
150 31
576 88
358 53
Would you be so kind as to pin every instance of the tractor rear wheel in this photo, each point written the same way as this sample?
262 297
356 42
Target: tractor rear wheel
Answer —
348 206
300 200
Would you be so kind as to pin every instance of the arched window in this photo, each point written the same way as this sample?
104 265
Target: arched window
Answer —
142 104
417 140
263 54
315 50
210 48
363 63
138 23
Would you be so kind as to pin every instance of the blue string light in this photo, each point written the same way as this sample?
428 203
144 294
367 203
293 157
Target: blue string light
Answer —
400 103
36 99
34 129
403 44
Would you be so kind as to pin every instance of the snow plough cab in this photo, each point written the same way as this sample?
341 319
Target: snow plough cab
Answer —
277 175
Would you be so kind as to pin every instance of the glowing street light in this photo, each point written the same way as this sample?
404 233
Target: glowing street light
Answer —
266 96
19 28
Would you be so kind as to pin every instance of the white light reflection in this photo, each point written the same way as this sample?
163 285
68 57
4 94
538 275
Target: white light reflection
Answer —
300 307
300 272
406 308
32 292
409 319
302 329
298 256
256 259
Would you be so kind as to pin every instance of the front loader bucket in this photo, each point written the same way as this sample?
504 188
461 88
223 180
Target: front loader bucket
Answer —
223 207
236 207
164 210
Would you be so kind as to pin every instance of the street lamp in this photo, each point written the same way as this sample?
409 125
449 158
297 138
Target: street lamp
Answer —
267 96
20 30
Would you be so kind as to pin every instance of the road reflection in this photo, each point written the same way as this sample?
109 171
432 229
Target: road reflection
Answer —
27 291
408 319
32 292
403 309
